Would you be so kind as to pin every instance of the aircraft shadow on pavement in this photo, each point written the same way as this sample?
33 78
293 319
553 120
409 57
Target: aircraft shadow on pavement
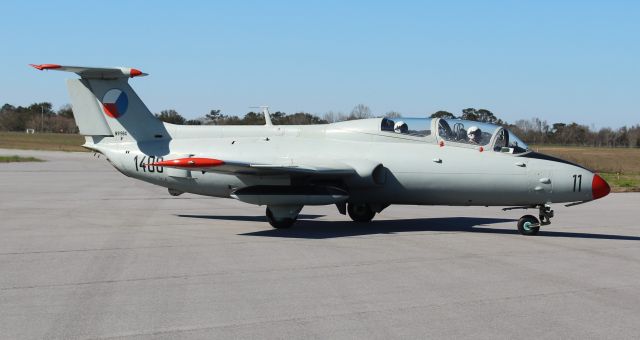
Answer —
244 218
307 228
331 229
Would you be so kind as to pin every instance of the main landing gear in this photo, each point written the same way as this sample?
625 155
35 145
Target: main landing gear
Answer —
360 212
529 225
282 216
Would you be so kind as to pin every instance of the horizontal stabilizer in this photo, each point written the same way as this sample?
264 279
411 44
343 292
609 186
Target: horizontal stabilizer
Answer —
94 72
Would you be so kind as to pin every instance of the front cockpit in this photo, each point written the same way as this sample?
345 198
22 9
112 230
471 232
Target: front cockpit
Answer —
457 132
490 136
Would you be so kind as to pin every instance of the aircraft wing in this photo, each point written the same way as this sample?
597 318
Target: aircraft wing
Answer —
307 167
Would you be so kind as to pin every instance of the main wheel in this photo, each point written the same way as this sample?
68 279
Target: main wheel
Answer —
528 225
361 212
281 223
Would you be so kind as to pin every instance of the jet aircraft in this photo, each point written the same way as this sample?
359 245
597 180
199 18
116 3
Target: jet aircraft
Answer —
360 166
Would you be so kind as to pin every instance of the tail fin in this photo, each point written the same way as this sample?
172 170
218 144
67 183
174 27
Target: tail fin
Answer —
104 104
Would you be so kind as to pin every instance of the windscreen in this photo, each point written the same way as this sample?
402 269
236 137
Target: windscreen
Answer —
517 144
509 143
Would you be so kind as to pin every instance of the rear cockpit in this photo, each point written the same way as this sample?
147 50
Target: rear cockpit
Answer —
418 127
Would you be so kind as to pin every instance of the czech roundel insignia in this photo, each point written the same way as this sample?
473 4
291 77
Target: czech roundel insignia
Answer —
115 103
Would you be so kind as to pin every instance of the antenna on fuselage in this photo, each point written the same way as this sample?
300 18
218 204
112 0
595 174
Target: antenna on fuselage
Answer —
265 112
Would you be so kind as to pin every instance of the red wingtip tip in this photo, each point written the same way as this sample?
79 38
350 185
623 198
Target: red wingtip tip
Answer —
45 66
599 187
134 73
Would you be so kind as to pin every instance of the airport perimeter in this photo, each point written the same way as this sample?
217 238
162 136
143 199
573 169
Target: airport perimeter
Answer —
88 253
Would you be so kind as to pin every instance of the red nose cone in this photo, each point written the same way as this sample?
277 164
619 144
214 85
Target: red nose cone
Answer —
599 187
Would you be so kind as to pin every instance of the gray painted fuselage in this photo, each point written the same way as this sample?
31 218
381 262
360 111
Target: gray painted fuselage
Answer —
418 170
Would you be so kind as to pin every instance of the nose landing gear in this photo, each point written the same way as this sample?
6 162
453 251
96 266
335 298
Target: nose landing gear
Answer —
545 214
529 225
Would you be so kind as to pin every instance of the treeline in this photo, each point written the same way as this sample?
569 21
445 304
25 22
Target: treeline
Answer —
536 131
214 117
38 116
42 118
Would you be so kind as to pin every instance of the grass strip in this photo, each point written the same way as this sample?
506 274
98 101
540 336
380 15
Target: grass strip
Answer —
14 158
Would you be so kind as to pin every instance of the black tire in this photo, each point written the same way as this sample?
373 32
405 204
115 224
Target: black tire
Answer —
283 223
524 225
361 213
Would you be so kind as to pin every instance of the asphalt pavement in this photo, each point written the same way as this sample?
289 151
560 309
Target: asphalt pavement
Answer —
86 252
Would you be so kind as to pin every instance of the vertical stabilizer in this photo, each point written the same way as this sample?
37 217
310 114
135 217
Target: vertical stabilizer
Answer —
123 111
104 104
86 110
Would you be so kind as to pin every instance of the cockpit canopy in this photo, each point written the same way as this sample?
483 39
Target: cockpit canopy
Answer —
419 127
462 133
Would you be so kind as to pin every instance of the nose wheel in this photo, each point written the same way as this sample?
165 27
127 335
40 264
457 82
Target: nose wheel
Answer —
529 225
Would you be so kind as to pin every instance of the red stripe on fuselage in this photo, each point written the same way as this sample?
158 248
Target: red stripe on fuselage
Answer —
190 163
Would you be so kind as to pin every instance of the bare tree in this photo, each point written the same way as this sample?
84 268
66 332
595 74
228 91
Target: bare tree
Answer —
332 117
360 111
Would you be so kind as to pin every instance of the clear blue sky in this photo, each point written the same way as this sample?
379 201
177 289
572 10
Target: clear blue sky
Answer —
557 60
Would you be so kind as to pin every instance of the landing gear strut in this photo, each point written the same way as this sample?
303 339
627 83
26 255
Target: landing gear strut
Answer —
545 214
530 225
